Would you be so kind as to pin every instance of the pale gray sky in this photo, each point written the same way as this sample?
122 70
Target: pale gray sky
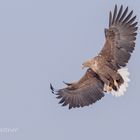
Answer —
43 41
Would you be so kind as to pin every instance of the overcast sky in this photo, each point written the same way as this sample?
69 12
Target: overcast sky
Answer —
43 41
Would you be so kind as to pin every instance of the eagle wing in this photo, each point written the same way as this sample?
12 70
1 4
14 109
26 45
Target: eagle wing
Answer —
120 37
86 91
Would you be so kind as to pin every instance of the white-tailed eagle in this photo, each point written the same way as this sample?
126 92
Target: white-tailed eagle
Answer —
106 72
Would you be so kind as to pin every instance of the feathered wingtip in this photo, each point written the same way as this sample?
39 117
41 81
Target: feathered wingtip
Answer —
54 91
121 16
52 88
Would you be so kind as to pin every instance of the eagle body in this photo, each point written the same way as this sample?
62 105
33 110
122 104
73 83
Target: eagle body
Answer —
111 77
107 72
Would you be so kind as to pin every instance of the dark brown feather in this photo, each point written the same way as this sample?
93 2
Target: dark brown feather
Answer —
119 14
124 14
114 15
120 38
86 91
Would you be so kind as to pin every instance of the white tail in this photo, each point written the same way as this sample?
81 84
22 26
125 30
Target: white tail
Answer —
125 74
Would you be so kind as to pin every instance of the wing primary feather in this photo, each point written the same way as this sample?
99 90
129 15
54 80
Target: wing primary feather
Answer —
114 15
123 15
119 14
62 100
52 88
59 96
110 18
66 101
131 20
134 24
128 17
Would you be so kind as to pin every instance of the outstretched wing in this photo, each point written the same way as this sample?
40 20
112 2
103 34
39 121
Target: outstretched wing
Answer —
120 37
86 91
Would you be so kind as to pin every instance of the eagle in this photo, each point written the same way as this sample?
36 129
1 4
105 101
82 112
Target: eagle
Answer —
106 72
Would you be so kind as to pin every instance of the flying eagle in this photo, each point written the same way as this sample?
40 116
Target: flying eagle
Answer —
107 72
